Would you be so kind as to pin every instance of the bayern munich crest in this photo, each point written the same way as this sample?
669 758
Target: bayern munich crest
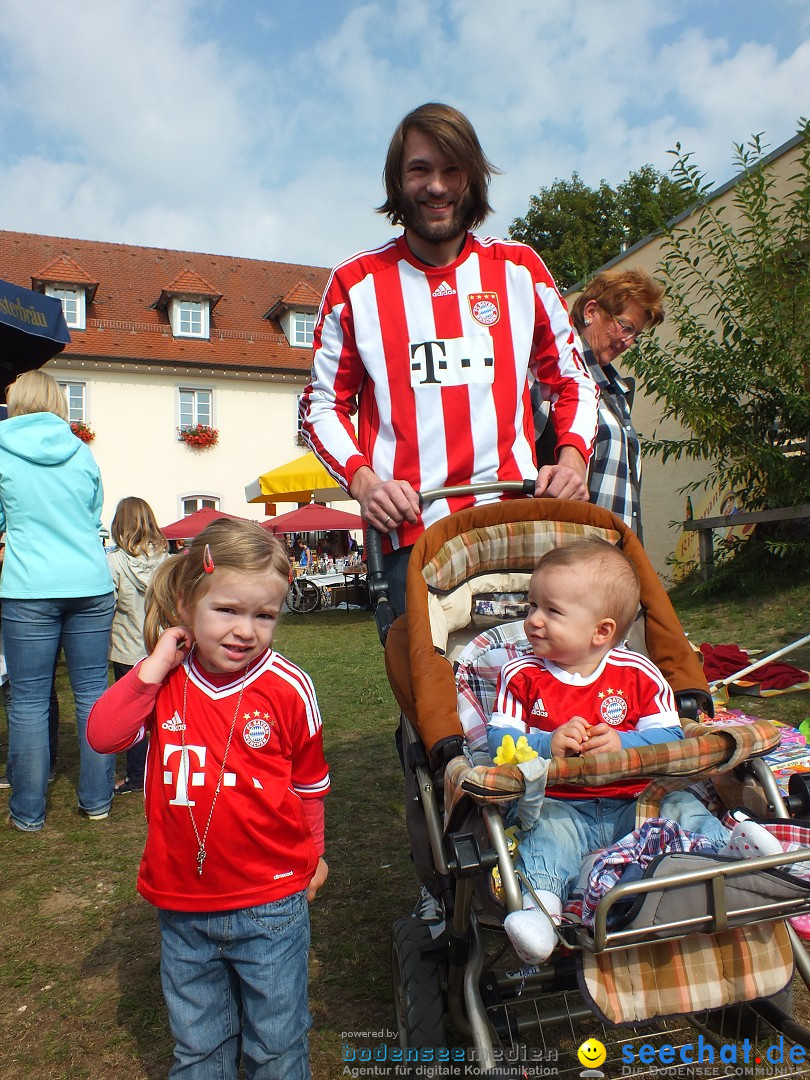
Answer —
256 733
484 307
613 709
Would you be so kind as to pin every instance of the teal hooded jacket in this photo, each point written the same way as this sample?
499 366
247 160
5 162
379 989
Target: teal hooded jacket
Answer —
50 510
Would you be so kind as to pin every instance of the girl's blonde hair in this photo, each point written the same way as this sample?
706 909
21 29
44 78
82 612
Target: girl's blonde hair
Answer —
182 579
33 392
135 529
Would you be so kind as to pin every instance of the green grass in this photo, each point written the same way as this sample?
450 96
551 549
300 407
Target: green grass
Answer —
79 980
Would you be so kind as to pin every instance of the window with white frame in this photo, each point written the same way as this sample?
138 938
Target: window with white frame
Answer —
303 326
192 503
189 318
75 393
73 304
195 406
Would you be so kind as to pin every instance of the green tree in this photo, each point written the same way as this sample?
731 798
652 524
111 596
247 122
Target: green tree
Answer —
737 375
576 229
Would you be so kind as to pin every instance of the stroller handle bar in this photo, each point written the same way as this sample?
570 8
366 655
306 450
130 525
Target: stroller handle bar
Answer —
378 586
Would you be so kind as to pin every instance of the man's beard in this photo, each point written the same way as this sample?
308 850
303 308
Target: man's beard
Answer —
437 232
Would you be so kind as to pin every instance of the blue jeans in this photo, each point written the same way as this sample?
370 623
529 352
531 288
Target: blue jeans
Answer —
235 982
32 630
568 830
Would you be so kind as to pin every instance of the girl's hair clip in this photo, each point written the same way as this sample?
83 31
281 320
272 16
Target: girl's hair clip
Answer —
208 560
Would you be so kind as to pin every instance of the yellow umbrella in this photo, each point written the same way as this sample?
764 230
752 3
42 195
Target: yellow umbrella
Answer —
298 481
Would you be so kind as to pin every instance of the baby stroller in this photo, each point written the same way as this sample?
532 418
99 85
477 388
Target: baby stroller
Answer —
699 939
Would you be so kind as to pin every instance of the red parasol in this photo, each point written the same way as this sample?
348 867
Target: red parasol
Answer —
313 518
189 526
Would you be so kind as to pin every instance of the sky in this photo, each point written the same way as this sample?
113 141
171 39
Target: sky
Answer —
259 128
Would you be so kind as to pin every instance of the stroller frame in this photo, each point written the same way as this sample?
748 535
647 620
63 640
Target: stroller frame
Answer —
477 999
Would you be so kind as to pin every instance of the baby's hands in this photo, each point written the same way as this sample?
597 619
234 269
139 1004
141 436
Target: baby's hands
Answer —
602 737
568 738
172 648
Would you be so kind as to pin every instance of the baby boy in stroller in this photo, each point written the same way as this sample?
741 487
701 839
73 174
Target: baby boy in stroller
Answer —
579 692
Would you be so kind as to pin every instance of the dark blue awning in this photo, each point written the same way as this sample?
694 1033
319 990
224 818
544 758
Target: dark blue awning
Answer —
32 330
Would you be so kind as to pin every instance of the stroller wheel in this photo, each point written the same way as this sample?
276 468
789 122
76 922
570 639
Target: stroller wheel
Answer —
418 999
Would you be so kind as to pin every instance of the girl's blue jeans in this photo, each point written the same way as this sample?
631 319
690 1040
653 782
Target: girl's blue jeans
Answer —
235 984
32 630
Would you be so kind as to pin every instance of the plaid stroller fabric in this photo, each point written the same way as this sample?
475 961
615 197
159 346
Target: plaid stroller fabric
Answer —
669 766
477 671
693 974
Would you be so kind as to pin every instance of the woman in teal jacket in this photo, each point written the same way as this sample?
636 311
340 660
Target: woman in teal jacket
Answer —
56 585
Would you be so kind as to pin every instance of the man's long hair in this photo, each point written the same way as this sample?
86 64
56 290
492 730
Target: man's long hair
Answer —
455 136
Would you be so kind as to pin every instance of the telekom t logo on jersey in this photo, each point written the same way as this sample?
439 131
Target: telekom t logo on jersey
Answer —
452 362
190 762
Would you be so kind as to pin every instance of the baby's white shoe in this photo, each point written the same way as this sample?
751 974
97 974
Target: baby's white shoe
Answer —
748 840
530 931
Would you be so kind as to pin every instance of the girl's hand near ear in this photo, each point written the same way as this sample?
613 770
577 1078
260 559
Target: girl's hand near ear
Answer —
172 648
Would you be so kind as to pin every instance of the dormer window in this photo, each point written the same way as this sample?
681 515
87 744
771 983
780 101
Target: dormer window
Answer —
69 282
73 304
188 301
189 318
296 312
303 326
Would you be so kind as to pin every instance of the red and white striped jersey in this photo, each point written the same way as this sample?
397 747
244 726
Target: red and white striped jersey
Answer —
434 361
627 691
259 846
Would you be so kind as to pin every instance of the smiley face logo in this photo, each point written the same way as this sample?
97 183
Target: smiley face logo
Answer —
592 1054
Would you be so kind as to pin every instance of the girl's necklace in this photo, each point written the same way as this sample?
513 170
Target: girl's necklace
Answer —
201 852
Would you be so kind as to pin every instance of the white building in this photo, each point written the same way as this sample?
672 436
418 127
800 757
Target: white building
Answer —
166 340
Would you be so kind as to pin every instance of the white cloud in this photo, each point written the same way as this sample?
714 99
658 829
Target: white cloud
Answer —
213 126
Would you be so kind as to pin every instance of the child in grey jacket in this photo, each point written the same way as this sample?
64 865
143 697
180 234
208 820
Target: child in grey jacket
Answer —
141 548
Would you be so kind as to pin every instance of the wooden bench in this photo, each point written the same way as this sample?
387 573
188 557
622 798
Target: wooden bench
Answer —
705 528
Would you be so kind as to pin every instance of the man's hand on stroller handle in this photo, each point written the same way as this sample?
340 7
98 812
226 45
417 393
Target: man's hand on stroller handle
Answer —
385 504
568 479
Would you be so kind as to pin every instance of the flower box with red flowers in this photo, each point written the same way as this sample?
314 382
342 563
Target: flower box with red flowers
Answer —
200 436
82 431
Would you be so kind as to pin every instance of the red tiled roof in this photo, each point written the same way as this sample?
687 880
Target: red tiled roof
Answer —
123 323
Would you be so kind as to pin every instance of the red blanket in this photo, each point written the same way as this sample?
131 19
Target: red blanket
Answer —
720 661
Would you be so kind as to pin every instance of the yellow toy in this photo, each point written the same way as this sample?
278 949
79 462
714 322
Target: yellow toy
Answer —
514 753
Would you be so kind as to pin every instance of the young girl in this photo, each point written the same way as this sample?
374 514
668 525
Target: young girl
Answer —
141 548
235 784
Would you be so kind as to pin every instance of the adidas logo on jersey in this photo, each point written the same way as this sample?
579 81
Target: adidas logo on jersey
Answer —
444 290
174 724
539 709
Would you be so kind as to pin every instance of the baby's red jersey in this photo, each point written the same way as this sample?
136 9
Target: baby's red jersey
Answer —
627 692
259 845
